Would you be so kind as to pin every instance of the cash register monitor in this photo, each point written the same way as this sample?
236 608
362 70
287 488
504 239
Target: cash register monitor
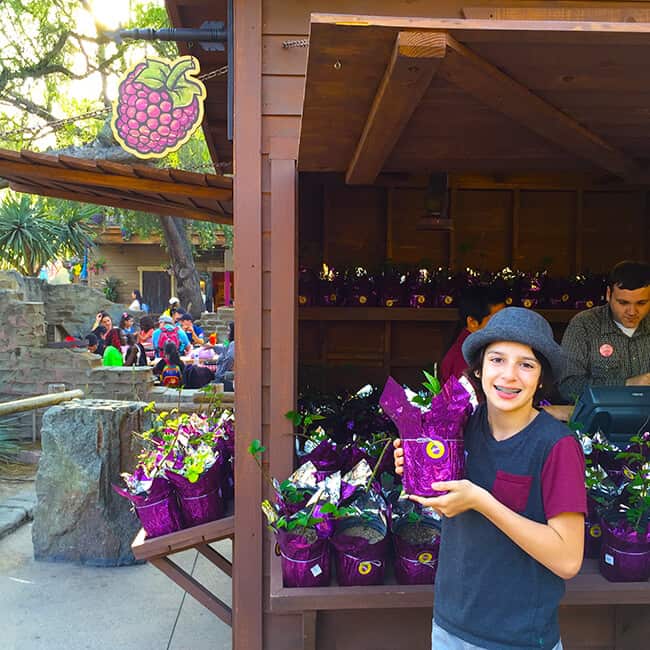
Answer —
618 411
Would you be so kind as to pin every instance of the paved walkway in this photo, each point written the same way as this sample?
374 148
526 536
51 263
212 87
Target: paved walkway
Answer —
57 606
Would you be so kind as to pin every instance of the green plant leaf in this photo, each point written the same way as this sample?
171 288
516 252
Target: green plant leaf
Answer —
155 74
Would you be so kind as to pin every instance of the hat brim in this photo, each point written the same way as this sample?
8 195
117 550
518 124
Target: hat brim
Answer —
545 346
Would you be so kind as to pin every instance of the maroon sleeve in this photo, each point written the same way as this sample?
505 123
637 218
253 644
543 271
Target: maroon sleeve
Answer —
563 479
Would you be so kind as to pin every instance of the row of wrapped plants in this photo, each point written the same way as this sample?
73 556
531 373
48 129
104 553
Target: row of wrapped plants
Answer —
617 527
441 287
344 507
343 511
185 472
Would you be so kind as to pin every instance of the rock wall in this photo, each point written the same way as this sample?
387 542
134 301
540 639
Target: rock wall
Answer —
86 444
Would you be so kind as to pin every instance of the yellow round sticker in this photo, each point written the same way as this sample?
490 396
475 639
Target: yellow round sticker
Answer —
277 549
365 568
363 300
565 297
589 304
528 303
425 558
333 297
595 531
435 449
448 300
389 303
302 300
508 300
421 300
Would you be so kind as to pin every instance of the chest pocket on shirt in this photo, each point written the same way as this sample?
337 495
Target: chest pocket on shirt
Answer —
512 490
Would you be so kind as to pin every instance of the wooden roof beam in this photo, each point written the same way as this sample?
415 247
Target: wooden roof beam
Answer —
413 64
488 84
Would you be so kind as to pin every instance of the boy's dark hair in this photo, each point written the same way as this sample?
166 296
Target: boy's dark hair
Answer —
146 323
629 275
91 339
231 331
476 302
473 373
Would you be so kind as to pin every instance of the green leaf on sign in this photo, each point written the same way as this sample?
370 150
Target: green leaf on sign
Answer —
155 74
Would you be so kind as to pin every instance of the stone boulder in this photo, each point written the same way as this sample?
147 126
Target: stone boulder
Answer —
78 516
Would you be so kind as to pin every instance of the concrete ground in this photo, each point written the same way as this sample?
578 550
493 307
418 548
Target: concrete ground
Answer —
57 606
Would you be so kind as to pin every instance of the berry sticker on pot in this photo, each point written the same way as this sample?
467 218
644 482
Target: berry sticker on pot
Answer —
425 558
595 531
158 107
365 568
436 449
606 350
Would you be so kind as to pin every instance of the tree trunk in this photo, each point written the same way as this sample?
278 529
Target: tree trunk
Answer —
188 289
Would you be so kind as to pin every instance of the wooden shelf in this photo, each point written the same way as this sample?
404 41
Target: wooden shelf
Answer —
587 588
407 314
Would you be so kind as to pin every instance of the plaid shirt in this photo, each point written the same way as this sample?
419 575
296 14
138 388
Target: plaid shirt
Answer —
600 354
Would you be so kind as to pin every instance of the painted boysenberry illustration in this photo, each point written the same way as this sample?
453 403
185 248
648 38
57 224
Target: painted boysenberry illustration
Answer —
159 106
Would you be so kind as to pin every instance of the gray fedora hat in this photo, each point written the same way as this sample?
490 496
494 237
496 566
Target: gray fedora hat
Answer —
522 326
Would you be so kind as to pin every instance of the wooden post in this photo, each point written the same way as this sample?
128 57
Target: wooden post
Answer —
247 571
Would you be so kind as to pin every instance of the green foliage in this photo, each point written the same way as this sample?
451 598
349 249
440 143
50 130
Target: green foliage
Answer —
637 470
111 288
256 449
432 388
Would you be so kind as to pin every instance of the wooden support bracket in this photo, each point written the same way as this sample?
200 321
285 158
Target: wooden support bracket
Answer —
413 64
488 84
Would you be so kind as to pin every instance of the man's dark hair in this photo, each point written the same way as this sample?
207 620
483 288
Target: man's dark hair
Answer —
629 275
476 302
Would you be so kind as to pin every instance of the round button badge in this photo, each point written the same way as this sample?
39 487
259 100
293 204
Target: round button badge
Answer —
365 568
606 350
425 558
435 449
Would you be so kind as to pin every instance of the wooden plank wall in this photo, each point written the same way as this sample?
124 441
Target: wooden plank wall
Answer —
512 211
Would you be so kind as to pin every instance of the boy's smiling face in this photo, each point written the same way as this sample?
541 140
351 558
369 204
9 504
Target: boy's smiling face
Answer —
510 375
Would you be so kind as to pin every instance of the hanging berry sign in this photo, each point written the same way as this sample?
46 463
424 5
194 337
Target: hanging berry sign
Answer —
158 107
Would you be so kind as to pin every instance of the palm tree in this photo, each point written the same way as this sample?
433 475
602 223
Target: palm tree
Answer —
34 232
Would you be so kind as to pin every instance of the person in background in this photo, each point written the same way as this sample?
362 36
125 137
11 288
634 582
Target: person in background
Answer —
174 303
138 302
513 528
103 318
93 343
168 331
176 314
609 345
126 323
226 360
144 336
135 353
170 368
113 352
194 333
476 306
100 333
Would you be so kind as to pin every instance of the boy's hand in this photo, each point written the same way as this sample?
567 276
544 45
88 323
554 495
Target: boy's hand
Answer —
398 457
461 496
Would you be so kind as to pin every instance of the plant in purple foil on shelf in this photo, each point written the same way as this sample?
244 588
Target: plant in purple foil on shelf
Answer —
636 498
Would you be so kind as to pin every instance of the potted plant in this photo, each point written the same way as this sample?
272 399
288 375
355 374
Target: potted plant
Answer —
625 553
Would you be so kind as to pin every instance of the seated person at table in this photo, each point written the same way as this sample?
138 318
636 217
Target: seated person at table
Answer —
170 368
126 323
144 335
610 345
194 332
103 318
476 306
167 331
113 352
226 360
135 354
93 343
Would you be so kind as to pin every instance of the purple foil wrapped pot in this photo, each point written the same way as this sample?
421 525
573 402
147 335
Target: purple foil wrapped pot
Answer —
432 440
305 562
416 552
360 553
625 554
157 510
201 501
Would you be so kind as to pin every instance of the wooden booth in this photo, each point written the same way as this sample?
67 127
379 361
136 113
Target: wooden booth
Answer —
543 127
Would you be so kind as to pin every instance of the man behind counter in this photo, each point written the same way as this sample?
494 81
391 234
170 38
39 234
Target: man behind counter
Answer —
610 345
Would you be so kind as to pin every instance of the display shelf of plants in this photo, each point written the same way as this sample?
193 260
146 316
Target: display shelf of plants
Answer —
395 293
184 475
342 519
